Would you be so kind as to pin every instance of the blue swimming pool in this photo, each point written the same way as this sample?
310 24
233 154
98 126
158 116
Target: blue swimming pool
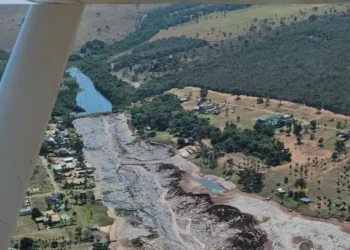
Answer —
211 185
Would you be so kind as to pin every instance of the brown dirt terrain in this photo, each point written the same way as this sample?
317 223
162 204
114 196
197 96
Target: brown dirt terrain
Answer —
115 22
309 161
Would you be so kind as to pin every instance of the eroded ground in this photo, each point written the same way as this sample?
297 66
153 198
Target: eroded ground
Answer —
161 205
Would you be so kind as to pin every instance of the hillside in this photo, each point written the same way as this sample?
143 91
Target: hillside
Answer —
305 62
115 21
227 25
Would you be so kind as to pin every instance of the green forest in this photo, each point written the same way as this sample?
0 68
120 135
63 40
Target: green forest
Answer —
95 62
165 113
306 62
66 99
157 49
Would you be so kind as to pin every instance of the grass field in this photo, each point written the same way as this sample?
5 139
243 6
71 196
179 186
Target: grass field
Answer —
115 22
309 161
38 202
238 22
41 180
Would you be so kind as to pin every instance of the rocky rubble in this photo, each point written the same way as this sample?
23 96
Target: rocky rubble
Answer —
140 181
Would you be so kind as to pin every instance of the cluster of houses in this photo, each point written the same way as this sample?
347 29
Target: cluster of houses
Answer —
210 108
74 173
277 121
343 135
65 165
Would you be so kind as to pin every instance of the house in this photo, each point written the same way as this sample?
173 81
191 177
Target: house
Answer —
54 198
305 200
55 218
70 166
62 152
183 99
89 165
216 112
206 106
25 211
68 159
275 120
48 213
49 139
57 168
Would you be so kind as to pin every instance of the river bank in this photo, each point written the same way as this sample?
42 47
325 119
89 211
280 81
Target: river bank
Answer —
162 204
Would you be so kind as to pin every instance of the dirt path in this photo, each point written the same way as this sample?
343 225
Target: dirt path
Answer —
45 163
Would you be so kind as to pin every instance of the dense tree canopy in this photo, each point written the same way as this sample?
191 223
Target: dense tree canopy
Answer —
66 99
306 63
157 49
252 142
155 114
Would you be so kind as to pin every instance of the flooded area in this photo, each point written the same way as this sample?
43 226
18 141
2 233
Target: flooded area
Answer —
90 99
161 201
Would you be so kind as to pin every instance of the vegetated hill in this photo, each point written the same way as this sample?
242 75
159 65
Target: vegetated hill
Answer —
96 60
157 50
227 25
307 62
106 22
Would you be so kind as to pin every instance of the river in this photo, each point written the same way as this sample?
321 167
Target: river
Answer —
89 98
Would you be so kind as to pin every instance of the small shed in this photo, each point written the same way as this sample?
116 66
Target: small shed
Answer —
305 200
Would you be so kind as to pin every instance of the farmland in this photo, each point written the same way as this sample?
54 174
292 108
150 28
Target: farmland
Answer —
221 26
326 179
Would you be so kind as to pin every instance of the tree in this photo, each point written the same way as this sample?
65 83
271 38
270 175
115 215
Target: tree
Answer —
76 198
230 161
75 215
203 94
313 124
251 180
312 136
297 128
82 197
81 158
26 243
300 183
299 137
93 198
78 232
334 156
260 100
45 149
36 213
339 126
77 145
285 180
340 146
